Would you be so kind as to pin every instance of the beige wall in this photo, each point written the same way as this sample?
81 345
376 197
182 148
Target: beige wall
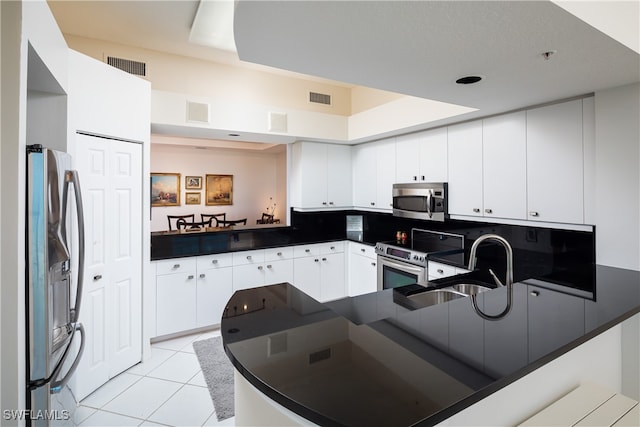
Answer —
257 176
173 73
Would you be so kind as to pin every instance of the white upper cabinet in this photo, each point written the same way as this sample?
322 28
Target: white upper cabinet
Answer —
374 173
364 176
504 172
555 166
321 175
385 173
422 157
465 169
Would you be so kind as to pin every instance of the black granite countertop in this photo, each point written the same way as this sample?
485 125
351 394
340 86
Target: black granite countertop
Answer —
371 360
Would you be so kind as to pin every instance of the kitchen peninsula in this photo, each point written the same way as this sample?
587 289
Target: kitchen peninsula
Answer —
369 360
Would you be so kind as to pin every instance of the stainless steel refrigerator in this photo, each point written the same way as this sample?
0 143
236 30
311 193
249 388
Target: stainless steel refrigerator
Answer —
55 338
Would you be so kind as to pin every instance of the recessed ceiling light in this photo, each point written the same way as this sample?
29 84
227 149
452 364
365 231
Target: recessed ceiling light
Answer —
467 80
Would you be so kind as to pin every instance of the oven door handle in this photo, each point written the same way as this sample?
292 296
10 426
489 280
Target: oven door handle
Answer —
384 261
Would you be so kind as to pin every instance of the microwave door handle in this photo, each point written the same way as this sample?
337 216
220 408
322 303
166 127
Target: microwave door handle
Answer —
430 203
71 178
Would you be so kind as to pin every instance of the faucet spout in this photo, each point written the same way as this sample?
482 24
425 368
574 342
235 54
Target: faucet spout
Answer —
507 248
509 274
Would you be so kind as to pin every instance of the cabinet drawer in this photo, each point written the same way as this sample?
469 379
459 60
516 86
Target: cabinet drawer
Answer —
302 251
176 265
215 261
364 250
331 247
275 254
248 257
438 270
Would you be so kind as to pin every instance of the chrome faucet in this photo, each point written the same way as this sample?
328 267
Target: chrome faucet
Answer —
509 274
508 250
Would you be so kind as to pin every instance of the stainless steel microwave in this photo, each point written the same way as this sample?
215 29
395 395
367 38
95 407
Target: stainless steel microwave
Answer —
427 201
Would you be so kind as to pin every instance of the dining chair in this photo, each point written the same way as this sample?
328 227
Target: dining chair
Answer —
214 217
193 225
242 221
173 218
266 219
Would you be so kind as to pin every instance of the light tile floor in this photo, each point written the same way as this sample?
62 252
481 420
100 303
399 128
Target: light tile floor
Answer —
168 389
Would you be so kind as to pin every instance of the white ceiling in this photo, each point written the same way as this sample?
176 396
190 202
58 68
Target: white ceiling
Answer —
420 48
417 48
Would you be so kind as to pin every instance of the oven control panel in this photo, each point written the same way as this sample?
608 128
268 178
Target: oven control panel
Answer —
401 254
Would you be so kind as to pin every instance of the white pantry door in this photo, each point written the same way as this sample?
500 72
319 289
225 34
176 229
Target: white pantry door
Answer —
110 173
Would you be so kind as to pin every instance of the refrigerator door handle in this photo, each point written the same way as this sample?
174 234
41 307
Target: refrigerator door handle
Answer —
71 177
56 386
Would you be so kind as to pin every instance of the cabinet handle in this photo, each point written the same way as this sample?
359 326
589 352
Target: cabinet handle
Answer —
176 266
333 248
249 257
441 271
488 211
533 213
534 293
202 275
363 250
373 264
316 260
307 250
324 203
373 203
422 177
331 203
259 267
476 210
97 277
269 266
190 277
214 261
415 178
279 254
324 259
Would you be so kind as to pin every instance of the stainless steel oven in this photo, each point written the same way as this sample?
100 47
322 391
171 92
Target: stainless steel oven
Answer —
405 263
393 274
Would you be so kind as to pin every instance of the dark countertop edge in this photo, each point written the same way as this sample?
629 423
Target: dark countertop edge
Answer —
445 413
258 247
503 382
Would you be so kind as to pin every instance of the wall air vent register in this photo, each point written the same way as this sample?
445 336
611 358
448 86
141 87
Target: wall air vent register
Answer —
132 67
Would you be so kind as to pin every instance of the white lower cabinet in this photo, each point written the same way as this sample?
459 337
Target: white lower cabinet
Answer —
363 269
176 295
191 292
319 270
214 288
262 267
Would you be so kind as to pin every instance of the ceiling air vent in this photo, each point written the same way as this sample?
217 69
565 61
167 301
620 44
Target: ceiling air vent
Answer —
319 98
129 66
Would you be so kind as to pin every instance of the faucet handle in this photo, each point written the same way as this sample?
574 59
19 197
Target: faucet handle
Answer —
495 278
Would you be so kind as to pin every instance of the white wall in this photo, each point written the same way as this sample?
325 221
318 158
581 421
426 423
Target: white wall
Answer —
617 177
23 24
256 177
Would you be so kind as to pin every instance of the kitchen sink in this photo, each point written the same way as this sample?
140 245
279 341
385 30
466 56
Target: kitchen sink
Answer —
468 288
428 298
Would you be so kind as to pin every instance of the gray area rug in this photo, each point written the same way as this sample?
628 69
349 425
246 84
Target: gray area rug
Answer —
218 374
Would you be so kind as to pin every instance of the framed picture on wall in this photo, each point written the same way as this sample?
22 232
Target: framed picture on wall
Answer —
165 189
192 182
219 190
191 198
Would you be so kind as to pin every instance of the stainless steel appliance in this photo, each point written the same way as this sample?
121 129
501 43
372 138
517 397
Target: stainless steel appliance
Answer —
426 201
55 340
401 264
